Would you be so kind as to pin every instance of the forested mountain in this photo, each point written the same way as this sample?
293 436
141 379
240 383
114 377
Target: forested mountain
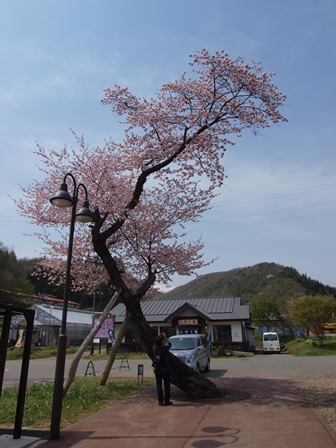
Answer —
14 276
264 280
18 285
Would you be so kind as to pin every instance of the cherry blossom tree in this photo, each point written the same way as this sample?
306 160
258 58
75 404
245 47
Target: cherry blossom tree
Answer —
163 175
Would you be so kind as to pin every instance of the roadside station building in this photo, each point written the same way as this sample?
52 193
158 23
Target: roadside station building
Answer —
226 322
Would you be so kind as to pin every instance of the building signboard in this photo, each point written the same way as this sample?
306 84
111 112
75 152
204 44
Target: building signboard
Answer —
187 322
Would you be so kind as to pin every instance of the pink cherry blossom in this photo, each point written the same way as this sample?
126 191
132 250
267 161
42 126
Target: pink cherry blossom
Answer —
163 175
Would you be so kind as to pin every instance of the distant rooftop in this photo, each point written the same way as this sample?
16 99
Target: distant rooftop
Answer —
213 308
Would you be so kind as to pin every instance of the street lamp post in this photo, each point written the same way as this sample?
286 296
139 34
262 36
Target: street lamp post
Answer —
63 199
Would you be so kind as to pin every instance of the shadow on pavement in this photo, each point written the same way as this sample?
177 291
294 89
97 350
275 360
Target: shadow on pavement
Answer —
216 373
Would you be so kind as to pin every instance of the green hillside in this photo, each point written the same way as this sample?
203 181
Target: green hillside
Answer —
268 280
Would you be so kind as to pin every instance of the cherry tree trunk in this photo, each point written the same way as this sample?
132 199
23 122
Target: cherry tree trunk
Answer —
188 380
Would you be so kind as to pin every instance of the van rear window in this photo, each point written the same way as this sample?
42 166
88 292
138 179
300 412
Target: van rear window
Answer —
270 337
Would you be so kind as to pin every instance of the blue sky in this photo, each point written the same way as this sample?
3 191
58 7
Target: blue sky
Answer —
278 201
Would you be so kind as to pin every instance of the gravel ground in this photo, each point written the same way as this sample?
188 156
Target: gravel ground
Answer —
321 396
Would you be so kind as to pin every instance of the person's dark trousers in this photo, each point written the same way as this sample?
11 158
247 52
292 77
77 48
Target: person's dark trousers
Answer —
165 377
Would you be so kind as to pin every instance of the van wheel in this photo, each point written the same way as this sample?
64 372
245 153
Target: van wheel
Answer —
207 367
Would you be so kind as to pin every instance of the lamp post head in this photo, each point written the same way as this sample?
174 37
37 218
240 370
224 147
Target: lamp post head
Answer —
62 199
84 214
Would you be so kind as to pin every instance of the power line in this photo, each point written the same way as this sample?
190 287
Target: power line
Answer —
262 223
266 212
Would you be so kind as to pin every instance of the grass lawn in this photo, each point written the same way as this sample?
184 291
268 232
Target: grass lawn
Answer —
85 397
310 347
36 352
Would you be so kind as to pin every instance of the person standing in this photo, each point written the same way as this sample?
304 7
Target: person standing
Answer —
162 374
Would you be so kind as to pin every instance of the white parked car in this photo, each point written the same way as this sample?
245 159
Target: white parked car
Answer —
193 349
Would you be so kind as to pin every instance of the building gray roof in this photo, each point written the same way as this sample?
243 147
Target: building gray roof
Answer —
212 308
74 316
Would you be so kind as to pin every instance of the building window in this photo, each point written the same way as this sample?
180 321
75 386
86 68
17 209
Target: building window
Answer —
222 333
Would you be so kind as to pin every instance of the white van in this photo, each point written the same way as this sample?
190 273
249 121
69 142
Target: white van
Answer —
193 349
271 342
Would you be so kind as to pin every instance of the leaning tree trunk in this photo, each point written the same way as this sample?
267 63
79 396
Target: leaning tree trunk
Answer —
116 345
87 341
182 376
189 381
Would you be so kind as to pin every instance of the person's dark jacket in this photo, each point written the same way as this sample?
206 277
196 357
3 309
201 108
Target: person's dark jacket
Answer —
163 353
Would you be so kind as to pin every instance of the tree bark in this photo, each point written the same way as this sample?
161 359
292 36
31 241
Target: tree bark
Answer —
194 384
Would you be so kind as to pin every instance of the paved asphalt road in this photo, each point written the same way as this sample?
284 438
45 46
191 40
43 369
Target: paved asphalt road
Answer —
282 366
